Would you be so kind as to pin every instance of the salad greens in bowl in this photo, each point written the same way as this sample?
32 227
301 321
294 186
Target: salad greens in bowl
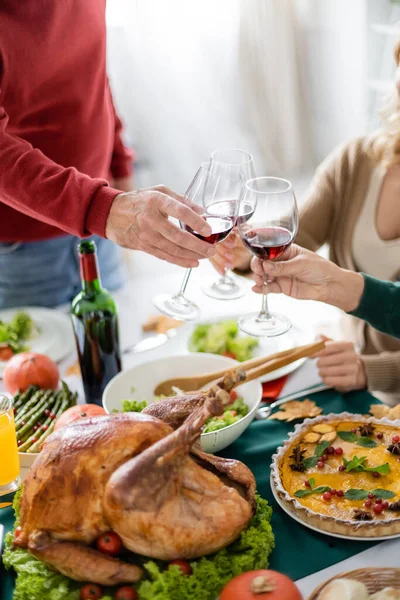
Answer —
132 388
222 337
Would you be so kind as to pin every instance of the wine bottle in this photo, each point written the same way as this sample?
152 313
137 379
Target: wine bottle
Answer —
95 323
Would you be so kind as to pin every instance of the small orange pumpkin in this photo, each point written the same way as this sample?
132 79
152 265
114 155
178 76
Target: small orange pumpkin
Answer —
261 585
76 413
29 368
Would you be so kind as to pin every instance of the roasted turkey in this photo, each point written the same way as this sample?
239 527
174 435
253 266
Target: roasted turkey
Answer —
143 476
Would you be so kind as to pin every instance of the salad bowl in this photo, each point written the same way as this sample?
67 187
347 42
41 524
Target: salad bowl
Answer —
138 383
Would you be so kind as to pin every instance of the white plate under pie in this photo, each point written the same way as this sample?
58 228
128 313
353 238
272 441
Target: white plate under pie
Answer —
296 517
55 337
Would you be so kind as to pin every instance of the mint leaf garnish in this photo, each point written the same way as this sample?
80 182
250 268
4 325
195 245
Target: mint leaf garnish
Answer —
353 494
366 442
318 490
321 489
320 449
382 469
347 436
384 494
358 465
310 462
352 438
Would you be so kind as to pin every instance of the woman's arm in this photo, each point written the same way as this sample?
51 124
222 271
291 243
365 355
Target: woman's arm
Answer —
382 371
380 305
305 275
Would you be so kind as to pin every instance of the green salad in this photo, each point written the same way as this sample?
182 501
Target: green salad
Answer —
232 412
15 332
222 338
210 574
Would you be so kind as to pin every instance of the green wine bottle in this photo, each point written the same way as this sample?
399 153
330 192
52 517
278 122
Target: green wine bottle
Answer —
95 323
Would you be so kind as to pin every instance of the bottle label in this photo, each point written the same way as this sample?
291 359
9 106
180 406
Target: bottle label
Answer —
89 268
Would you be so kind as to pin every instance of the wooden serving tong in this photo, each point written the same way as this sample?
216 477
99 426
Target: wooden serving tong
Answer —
254 368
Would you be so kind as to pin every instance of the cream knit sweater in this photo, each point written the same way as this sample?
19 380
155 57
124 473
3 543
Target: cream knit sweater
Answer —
334 203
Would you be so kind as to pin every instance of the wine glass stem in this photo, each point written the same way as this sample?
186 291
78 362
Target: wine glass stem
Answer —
183 287
225 279
264 315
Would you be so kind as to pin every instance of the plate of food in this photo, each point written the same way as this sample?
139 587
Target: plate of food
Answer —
340 475
132 391
135 509
36 329
225 338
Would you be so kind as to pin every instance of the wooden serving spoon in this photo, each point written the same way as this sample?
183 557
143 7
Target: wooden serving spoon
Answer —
254 368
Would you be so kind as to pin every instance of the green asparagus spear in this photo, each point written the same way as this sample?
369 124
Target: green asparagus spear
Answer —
46 402
47 422
30 432
21 398
33 436
37 445
16 400
33 400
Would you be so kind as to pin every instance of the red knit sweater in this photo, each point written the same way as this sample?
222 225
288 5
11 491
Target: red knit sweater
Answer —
60 138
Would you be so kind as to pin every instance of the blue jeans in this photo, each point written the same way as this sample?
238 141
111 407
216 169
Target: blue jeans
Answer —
46 273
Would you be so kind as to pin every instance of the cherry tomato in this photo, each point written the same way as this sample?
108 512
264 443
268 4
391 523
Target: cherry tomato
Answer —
233 395
183 565
109 543
126 593
6 353
17 532
91 591
229 355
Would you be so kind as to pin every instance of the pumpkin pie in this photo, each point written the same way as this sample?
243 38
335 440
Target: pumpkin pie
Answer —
341 474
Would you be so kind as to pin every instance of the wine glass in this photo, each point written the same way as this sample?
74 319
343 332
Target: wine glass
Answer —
217 191
270 229
236 161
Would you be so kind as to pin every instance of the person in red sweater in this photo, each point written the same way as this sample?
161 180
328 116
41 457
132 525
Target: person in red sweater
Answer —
63 163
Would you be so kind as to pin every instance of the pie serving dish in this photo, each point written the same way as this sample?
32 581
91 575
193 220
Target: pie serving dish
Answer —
340 474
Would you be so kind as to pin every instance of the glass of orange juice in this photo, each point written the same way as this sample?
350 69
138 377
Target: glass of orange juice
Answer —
9 461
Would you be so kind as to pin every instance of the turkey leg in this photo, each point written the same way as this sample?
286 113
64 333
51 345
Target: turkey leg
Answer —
80 562
147 480
165 505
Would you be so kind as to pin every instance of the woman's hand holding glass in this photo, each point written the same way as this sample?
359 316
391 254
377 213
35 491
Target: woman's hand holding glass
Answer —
231 254
267 228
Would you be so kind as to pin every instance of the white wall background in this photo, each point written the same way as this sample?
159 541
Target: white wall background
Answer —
176 78
334 34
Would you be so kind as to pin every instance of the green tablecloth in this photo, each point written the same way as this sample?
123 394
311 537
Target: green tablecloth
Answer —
299 551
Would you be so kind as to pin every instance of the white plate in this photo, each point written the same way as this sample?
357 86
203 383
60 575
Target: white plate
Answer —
296 517
144 377
55 337
294 337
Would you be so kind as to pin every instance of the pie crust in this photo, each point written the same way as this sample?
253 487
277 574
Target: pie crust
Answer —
387 524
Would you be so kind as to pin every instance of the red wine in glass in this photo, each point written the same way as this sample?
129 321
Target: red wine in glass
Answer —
245 212
267 242
221 228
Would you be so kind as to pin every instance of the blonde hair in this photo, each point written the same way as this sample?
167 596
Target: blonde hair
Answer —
385 143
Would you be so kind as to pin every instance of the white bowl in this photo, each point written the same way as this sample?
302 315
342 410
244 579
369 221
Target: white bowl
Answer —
145 376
